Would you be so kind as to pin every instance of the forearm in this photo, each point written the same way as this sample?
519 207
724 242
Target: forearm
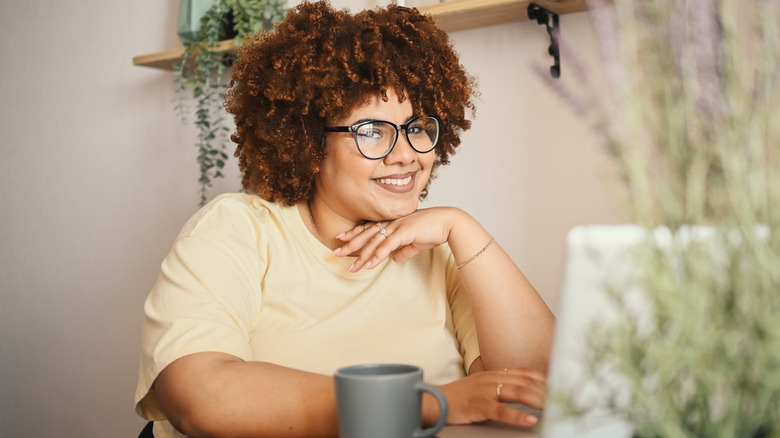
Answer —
210 394
514 325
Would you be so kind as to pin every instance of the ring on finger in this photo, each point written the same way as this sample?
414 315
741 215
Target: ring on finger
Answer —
378 224
498 390
383 232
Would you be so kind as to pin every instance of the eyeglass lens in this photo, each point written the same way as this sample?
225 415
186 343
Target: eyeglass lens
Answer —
376 138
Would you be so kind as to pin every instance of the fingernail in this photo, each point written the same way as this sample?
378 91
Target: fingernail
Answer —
368 265
337 250
531 420
340 235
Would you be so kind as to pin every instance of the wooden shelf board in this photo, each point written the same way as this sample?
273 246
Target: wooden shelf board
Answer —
451 16
468 14
167 60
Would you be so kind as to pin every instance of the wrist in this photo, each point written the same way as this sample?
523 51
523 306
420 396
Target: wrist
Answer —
460 225
430 410
467 237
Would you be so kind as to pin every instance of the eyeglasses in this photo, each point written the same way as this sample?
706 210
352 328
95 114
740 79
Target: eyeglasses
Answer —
375 139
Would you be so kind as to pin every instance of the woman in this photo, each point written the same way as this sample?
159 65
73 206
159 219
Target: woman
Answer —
341 121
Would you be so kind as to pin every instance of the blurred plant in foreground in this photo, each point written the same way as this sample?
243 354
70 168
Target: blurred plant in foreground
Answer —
690 113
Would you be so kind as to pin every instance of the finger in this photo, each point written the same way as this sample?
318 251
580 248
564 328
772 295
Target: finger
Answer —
510 415
525 390
355 231
356 238
386 243
399 243
534 374
360 229
405 241
369 256
406 252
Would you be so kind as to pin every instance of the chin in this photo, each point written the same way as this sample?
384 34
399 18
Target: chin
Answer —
402 210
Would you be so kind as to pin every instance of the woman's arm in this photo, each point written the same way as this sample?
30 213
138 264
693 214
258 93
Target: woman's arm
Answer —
216 394
514 325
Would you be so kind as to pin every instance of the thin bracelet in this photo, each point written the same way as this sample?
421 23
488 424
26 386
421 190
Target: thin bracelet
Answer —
477 254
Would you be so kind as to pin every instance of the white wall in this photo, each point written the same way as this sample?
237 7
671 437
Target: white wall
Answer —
97 175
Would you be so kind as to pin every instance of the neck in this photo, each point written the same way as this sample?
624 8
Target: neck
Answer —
318 226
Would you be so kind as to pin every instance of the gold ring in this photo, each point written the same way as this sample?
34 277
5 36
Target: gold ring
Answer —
498 390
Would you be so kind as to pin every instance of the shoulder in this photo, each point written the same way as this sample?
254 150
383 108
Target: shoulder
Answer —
231 212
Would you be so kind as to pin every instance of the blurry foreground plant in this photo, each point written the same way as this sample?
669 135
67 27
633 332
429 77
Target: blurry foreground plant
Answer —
690 112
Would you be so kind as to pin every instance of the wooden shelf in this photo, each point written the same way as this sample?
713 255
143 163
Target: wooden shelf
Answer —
166 60
451 16
468 14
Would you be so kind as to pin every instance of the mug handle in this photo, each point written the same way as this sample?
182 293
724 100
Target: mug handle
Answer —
443 410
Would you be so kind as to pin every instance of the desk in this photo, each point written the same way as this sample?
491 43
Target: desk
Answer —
490 429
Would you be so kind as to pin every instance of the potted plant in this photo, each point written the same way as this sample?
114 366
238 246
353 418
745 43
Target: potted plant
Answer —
689 115
202 71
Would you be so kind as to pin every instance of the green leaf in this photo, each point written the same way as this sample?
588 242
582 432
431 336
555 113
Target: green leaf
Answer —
201 72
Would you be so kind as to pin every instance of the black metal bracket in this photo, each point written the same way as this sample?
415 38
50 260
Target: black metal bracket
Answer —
550 21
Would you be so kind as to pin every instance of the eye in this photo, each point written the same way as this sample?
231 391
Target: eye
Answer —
414 129
374 133
369 131
422 125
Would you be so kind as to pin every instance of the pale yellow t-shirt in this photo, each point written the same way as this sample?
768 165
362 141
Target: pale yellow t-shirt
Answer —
245 277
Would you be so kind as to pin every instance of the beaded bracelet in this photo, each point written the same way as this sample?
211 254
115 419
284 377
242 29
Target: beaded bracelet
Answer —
477 254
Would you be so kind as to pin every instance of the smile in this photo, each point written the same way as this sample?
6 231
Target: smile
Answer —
398 184
395 182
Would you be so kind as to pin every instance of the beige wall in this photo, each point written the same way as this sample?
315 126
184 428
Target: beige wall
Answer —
529 169
97 175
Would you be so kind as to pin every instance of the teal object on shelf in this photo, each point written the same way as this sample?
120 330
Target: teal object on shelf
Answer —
190 13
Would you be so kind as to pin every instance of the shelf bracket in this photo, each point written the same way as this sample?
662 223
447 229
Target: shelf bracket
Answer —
550 21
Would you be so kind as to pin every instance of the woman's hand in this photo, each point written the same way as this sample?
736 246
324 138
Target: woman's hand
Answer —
404 237
481 397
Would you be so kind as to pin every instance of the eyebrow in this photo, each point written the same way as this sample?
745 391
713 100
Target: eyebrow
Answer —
408 119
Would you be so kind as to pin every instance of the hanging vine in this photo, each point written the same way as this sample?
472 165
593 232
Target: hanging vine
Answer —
202 72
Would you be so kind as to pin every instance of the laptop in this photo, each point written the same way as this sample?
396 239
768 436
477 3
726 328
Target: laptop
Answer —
597 257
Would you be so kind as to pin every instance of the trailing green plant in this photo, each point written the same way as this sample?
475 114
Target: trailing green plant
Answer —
202 71
689 113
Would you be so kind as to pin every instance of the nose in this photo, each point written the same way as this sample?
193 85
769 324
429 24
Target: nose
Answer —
402 151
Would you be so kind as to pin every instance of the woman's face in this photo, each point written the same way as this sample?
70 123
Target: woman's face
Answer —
359 189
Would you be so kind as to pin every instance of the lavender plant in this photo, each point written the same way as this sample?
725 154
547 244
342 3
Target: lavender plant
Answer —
690 115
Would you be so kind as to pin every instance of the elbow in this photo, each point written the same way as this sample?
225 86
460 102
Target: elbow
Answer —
189 396
191 421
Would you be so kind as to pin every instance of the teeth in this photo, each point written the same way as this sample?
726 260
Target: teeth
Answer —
396 182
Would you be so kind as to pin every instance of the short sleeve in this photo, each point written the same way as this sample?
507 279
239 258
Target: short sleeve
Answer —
207 296
465 330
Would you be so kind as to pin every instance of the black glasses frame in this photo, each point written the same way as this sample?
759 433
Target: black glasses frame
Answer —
354 129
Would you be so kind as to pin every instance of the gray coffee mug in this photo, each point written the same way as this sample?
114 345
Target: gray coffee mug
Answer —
384 401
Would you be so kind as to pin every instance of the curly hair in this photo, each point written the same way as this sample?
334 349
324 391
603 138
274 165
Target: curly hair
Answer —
317 67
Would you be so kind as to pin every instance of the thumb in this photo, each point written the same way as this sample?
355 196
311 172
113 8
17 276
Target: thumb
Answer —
406 252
